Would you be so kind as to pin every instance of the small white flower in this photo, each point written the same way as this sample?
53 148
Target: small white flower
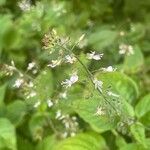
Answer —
31 94
94 56
12 63
72 134
31 65
121 33
30 84
25 5
54 63
37 104
100 111
70 59
68 82
98 84
49 103
112 94
18 83
65 134
126 49
63 95
34 71
109 69
58 114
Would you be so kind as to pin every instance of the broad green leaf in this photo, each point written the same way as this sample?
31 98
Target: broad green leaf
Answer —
5 24
102 38
137 33
83 141
2 2
2 94
43 88
7 135
120 84
136 146
44 85
134 62
36 124
145 119
47 143
16 111
133 146
24 144
86 109
120 141
143 106
138 132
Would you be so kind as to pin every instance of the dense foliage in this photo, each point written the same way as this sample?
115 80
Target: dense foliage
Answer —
74 75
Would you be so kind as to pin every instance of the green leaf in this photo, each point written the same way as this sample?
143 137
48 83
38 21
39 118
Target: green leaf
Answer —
120 141
86 109
24 144
2 2
134 62
143 106
16 111
36 124
120 84
138 132
7 135
2 94
47 143
83 141
102 38
5 24
44 85
43 88
132 146
137 33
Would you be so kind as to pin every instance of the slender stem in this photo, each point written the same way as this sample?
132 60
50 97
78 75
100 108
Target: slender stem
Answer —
90 75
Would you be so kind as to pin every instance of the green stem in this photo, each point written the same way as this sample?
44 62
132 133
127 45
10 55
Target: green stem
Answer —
90 75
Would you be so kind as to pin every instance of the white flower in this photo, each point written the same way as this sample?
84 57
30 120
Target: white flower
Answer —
109 69
31 65
100 111
32 94
65 134
68 82
25 5
70 59
98 84
37 104
18 83
58 114
112 94
126 49
63 95
121 33
72 134
54 63
30 84
94 56
49 103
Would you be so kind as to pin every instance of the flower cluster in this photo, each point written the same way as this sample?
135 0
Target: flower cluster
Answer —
126 49
69 82
94 56
25 5
69 122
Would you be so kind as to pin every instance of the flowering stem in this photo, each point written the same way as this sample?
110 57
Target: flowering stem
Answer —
90 75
